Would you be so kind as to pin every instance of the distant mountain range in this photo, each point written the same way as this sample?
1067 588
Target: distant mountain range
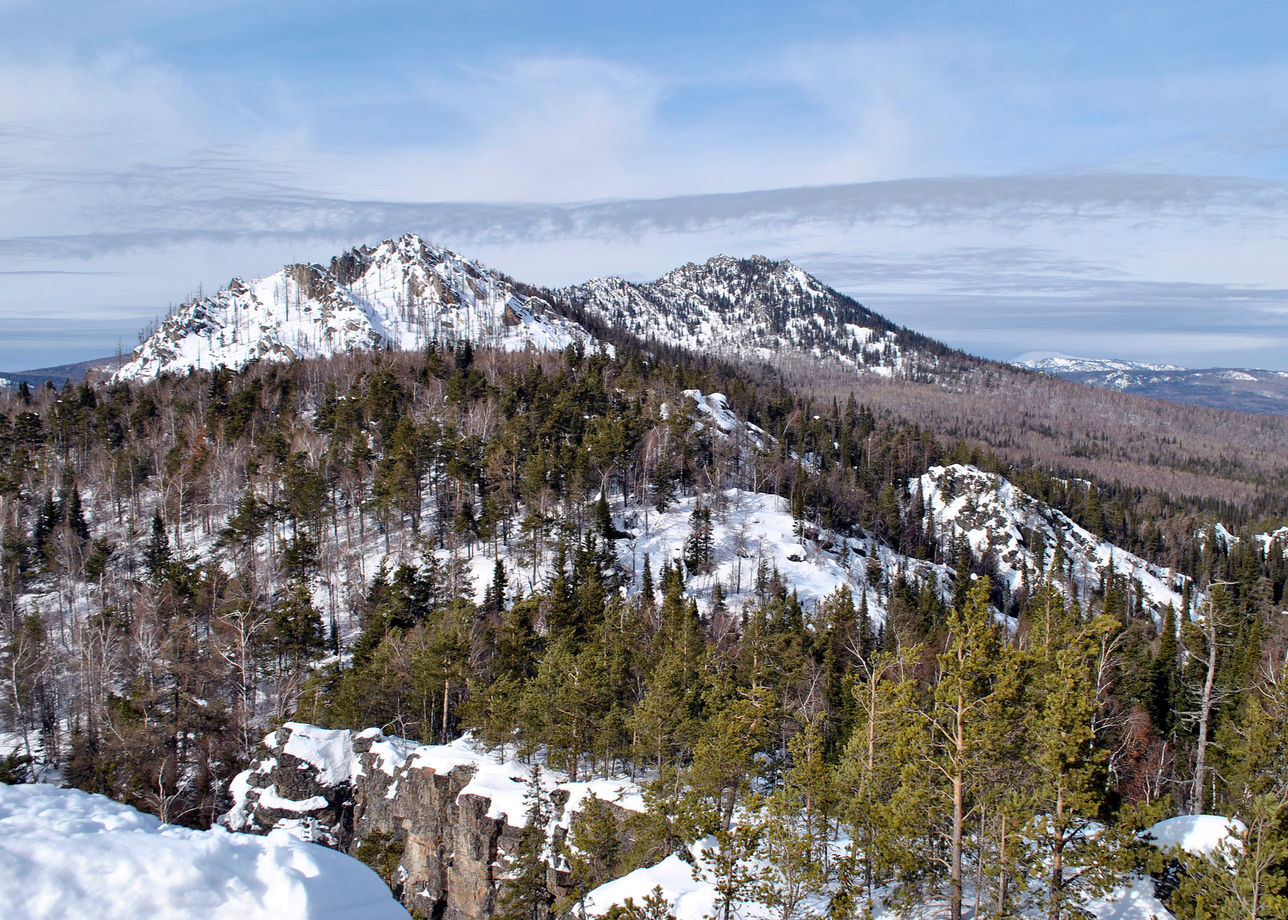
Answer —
1241 389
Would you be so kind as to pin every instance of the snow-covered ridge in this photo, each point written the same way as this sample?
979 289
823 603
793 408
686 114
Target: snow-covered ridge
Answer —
746 308
1000 520
64 853
751 530
1068 364
402 294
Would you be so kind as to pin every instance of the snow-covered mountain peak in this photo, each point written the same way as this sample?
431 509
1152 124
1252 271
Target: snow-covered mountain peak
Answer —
748 308
402 294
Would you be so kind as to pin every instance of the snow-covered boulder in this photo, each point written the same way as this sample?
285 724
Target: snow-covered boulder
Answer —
1197 835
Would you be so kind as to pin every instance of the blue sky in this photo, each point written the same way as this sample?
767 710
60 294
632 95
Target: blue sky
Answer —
1099 178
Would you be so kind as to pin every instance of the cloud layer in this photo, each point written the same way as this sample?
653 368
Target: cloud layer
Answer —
1084 185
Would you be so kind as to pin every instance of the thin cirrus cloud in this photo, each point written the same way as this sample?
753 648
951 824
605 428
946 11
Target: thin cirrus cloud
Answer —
1001 193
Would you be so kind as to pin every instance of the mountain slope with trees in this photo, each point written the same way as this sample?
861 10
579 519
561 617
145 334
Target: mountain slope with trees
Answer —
436 541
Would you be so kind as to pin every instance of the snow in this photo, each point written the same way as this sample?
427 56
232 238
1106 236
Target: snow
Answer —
1133 901
402 294
995 516
689 898
64 853
1198 835
269 798
329 751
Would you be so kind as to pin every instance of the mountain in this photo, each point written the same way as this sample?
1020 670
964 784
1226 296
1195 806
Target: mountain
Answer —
757 309
61 373
756 315
1239 389
401 294
620 560
405 293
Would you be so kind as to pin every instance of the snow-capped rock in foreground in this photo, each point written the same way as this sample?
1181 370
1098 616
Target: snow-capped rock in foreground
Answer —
402 294
307 766
996 517
458 810
64 853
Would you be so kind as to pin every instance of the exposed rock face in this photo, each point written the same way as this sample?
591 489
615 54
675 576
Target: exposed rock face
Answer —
340 788
403 294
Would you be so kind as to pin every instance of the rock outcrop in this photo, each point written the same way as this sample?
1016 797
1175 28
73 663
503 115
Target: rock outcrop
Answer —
451 815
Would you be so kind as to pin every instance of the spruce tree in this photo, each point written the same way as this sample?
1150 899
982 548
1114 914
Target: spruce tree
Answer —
1068 775
525 894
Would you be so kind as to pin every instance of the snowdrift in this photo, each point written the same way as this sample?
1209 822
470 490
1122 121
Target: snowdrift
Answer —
64 853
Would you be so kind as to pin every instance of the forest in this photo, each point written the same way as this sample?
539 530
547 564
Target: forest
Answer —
187 563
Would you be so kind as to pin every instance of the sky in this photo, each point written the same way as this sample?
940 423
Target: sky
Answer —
1099 179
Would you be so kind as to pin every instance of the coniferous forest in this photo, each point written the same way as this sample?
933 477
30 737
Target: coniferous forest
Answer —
425 542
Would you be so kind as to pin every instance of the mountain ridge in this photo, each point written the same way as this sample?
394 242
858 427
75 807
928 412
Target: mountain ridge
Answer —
1235 388
401 294
406 293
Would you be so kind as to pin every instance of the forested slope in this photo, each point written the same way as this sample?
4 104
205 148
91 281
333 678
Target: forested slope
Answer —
188 562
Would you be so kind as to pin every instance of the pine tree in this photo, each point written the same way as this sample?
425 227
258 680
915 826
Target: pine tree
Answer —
593 851
525 894
882 810
156 557
1068 781
729 867
791 871
967 720
1165 673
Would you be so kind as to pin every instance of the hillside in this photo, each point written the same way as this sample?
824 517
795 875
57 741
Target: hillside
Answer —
758 603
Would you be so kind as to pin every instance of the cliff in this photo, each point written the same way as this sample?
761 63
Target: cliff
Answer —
445 819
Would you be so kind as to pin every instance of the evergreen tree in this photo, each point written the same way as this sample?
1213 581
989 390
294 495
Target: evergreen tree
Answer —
967 718
525 894
1068 777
